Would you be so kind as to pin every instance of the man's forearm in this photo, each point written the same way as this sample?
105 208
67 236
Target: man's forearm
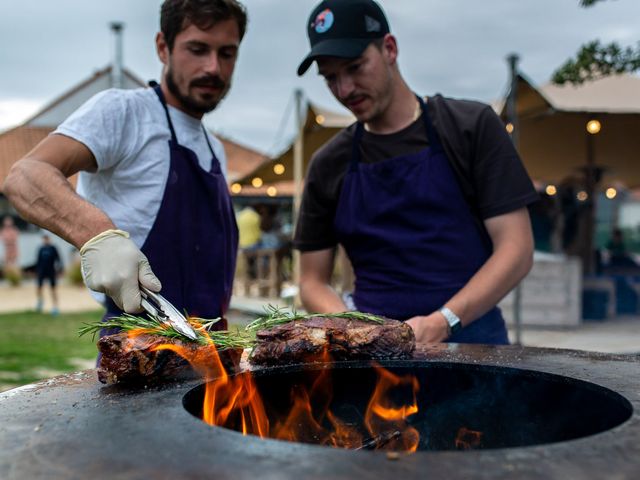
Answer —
511 260
42 195
497 277
320 298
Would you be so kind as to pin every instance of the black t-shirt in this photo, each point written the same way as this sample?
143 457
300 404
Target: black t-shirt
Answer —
487 166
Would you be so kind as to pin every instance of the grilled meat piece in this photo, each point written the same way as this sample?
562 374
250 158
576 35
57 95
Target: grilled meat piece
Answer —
344 340
131 360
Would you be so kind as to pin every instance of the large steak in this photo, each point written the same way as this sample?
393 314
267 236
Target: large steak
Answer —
126 359
343 339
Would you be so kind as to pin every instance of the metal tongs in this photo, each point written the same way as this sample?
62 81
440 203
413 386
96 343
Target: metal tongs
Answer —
162 310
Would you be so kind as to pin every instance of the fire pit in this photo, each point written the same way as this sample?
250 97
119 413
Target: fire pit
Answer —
542 414
461 406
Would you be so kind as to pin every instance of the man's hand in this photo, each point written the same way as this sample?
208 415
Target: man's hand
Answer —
112 264
429 329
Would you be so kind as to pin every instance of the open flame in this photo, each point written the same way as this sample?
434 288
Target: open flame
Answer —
234 401
383 417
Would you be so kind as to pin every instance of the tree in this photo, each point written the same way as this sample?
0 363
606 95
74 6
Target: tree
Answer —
595 60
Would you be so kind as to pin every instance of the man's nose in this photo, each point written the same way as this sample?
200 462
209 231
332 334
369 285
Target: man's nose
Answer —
212 65
344 86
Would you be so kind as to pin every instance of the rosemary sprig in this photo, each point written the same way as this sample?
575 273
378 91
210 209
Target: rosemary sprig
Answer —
274 316
222 339
127 323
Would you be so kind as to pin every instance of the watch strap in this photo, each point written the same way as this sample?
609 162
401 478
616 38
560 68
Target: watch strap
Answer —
453 321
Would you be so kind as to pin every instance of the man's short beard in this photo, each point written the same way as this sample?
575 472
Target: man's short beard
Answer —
190 104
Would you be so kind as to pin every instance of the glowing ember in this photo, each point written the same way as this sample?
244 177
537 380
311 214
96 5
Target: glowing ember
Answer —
468 439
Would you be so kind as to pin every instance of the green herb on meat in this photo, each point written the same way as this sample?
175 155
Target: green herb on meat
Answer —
222 339
274 316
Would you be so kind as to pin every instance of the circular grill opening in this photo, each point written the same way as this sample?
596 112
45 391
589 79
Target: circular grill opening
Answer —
460 406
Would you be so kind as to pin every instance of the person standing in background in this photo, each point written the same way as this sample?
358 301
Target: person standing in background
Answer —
48 265
9 235
248 221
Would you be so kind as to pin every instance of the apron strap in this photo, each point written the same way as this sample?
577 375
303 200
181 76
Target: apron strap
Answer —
158 91
215 163
355 146
432 133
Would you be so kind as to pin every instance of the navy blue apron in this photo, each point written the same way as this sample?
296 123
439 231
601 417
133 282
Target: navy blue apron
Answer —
193 243
411 236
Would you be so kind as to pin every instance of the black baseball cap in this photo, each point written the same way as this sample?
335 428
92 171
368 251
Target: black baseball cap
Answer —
343 28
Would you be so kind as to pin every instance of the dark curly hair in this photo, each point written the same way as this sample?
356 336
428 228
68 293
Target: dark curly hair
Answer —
176 15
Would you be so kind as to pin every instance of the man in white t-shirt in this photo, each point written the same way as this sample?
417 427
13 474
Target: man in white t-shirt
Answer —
152 206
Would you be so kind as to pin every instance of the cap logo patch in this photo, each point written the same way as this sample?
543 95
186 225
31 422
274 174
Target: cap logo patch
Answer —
323 22
372 24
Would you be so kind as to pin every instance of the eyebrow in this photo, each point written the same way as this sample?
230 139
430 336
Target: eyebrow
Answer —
200 43
343 63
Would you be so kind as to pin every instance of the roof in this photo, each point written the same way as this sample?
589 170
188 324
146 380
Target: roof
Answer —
240 159
320 125
16 143
611 94
553 141
130 81
330 119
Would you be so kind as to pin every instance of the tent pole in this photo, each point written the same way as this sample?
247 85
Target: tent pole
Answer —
512 118
298 155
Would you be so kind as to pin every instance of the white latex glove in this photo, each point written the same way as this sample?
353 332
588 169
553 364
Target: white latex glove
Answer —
112 264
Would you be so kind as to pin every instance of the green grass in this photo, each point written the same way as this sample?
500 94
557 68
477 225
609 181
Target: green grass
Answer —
34 346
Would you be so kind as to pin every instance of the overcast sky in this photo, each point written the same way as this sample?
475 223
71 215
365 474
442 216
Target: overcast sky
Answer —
455 47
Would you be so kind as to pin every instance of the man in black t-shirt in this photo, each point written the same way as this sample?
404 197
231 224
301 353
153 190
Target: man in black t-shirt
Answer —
427 196
47 267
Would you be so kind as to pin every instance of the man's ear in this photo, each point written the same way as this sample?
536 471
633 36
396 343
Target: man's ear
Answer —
162 48
390 48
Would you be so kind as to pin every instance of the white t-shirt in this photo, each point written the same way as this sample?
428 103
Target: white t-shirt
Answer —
128 134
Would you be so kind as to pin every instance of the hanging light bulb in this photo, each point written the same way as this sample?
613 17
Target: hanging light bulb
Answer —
593 126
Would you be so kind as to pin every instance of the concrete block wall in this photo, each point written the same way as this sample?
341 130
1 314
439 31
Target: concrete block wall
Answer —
551 294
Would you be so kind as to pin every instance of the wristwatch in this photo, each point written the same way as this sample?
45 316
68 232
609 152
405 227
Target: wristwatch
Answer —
453 321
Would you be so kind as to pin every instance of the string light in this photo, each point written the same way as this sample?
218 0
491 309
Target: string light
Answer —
509 127
593 126
611 193
236 188
272 191
551 190
256 182
320 119
278 169
582 196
